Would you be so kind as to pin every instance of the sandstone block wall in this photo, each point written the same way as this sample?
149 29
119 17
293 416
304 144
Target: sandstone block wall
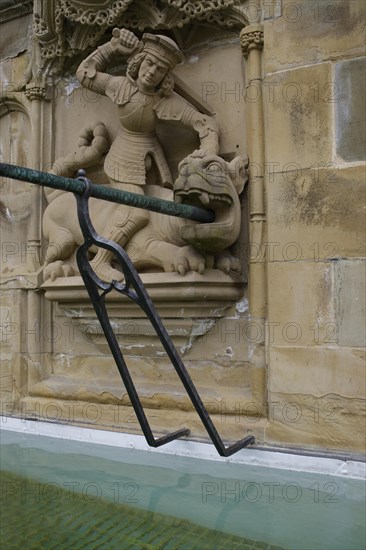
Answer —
315 153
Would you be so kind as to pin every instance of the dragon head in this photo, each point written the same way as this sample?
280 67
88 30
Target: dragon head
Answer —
208 181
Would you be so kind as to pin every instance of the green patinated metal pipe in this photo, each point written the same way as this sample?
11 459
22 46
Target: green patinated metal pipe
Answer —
107 193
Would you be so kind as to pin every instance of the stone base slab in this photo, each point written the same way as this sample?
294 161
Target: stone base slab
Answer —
121 418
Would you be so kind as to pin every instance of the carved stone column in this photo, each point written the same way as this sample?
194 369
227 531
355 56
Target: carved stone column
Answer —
36 93
251 39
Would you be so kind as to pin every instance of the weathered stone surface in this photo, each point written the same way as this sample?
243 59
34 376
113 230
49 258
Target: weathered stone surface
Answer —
232 425
301 304
311 32
15 37
316 214
193 308
228 339
6 378
350 93
298 121
15 207
12 323
219 83
318 371
156 381
350 288
331 422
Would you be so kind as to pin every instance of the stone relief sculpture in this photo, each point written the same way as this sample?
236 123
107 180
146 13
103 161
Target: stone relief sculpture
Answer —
145 96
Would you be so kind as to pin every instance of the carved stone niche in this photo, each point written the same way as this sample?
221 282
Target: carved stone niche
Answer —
189 268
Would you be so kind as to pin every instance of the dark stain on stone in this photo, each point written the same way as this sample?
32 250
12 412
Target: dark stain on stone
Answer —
320 197
298 111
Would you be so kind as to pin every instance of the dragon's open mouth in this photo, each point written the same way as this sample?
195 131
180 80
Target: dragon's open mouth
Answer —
198 197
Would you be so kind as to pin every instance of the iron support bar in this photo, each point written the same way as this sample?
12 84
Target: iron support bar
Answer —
107 193
132 287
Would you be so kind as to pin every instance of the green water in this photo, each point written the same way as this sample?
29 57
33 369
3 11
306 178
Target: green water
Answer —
70 494
42 516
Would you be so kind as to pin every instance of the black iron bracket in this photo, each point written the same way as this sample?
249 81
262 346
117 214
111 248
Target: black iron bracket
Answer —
133 288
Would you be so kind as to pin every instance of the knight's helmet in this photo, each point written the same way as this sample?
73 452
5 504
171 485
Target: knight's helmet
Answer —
163 48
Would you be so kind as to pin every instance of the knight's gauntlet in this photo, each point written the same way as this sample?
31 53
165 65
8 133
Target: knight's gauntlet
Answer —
208 132
95 62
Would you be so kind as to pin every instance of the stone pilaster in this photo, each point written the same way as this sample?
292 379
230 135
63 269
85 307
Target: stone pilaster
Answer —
252 40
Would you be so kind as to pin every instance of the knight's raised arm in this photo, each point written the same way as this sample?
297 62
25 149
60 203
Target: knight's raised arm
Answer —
90 72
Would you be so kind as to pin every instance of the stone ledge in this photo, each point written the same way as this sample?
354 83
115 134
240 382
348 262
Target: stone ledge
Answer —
214 285
20 281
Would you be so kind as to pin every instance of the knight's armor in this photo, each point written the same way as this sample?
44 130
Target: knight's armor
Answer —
138 113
